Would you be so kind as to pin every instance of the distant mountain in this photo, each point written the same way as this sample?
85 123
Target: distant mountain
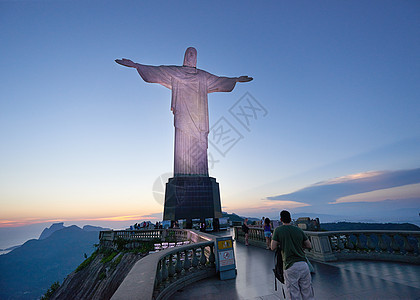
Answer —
94 228
13 236
232 217
7 250
10 248
48 231
28 271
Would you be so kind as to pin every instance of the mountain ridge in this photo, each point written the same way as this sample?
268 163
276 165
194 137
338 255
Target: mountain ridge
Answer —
30 269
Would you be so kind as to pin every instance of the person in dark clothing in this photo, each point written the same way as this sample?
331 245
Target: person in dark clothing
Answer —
245 229
267 232
292 240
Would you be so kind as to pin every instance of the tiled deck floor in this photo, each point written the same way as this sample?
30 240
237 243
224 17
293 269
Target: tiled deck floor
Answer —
341 280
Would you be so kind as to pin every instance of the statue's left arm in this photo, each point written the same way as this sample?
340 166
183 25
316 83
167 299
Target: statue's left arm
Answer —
224 84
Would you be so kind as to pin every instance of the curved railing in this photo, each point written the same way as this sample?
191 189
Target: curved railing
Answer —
182 266
255 236
160 274
401 246
108 238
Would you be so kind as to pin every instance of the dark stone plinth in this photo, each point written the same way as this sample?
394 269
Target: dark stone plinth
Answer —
192 197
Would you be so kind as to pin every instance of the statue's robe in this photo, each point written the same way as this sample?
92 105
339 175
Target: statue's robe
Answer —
189 105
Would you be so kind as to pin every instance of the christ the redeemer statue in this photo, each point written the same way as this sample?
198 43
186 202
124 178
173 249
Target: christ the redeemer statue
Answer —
190 87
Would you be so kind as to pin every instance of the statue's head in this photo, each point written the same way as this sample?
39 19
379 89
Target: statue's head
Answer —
190 57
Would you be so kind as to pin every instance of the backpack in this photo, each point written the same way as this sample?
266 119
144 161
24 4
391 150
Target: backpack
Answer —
278 266
278 270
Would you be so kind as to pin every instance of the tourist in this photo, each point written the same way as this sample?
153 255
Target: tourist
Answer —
292 240
245 229
267 232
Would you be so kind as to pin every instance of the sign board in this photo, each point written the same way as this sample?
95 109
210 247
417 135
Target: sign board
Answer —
209 224
166 224
195 224
223 223
225 258
182 223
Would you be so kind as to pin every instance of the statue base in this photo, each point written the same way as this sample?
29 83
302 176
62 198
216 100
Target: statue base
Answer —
192 197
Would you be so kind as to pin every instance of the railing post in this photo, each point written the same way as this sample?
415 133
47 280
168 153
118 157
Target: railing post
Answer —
371 245
212 258
394 245
164 269
178 266
349 243
407 247
382 244
187 263
340 243
203 258
159 273
171 267
194 261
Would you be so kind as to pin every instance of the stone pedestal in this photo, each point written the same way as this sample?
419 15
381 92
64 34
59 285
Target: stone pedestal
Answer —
192 197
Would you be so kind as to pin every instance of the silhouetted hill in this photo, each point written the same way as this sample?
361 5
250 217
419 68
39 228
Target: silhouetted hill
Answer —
368 226
232 217
235 218
94 228
28 271
48 231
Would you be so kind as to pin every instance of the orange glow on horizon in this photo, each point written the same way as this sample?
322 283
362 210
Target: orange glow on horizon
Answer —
31 221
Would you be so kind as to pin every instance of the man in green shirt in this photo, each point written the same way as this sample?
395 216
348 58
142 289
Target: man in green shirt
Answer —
292 240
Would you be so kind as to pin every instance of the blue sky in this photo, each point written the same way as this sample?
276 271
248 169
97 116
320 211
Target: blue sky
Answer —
84 139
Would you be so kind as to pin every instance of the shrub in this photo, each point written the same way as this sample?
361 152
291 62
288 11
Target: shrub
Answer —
116 262
120 242
102 275
109 257
87 262
51 291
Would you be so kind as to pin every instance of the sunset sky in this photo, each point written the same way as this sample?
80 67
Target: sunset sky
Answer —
336 86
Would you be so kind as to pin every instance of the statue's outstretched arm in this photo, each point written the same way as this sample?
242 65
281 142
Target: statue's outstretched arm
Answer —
127 62
244 79
150 74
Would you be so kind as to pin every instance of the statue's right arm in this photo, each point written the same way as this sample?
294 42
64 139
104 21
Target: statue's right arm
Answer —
150 74
127 62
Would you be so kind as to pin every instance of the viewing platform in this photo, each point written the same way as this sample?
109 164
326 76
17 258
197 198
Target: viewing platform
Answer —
348 265
353 279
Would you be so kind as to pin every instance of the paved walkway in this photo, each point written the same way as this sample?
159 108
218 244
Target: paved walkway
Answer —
341 280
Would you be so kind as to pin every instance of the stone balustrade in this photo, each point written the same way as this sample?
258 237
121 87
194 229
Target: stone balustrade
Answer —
400 246
181 266
132 238
255 236
160 274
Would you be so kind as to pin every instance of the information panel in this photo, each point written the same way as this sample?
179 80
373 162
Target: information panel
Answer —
225 258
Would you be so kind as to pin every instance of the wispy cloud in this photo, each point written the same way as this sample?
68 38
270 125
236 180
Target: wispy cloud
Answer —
410 191
351 177
26 221
337 188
